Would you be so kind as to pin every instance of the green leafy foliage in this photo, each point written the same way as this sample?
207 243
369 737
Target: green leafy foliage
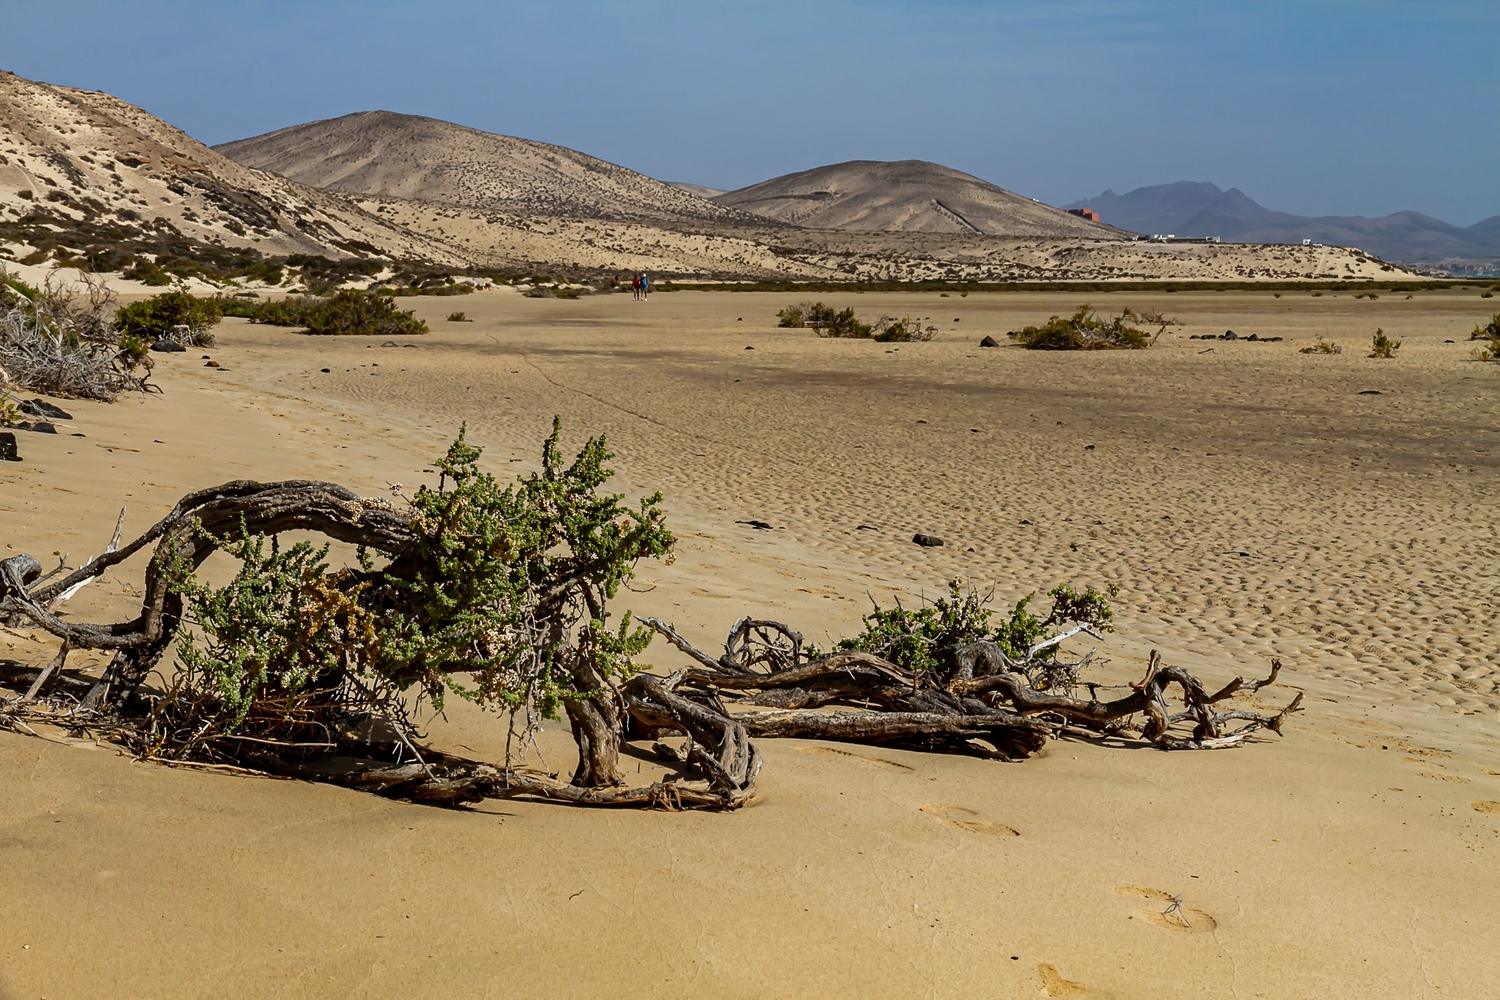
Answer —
348 312
508 585
1323 346
162 315
889 330
1086 331
823 320
918 638
1382 346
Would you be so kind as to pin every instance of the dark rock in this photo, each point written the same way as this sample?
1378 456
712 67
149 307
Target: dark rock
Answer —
989 341
757 525
325 371
165 346
42 408
1253 337
927 541
211 364
389 343
867 527
1230 335
1088 447
749 348
1369 392
8 447
40 427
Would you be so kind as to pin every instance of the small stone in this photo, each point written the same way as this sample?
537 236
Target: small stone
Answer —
42 427
749 348
1230 335
927 541
165 346
989 341
8 447
211 364
325 371
389 343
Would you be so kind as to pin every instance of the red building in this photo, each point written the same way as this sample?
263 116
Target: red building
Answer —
1087 213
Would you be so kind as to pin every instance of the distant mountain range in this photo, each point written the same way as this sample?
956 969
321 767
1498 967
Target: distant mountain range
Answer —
1202 209
911 196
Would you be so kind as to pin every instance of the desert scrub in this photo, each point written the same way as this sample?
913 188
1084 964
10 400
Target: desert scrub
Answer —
458 317
1323 346
889 330
823 320
62 341
175 315
1086 331
506 584
920 639
1382 346
348 312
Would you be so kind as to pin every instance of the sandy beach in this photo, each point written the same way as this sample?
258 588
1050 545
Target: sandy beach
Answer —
1248 501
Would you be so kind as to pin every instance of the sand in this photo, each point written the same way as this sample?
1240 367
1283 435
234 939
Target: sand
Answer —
1249 501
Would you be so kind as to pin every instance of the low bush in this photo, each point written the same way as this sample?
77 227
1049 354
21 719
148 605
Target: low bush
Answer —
1382 346
1489 331
888 330
1086 331
1323 347
823 320
458 317
176 315
369 314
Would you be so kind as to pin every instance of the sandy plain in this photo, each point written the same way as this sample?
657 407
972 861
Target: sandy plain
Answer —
1249 501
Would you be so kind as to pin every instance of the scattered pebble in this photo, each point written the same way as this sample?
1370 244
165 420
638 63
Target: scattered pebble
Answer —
927 541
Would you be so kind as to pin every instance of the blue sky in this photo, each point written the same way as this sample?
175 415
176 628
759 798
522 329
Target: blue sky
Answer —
1314 107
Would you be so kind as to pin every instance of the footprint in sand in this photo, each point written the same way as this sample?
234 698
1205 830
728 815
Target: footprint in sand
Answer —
1484 806
1056 985
880 762
1172 915
958 817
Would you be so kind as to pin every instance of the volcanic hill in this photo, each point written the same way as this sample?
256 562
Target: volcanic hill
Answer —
384 154
911 196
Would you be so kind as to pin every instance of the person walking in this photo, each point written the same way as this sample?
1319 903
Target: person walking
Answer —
635 286
645 287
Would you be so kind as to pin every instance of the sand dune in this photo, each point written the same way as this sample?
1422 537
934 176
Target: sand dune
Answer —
408 156
906 196
1249 501
107 174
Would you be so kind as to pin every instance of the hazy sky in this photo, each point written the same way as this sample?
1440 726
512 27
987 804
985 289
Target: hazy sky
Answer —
1316 107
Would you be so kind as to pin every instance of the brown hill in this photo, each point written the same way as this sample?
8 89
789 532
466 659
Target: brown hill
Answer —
905 196
386 154
85 176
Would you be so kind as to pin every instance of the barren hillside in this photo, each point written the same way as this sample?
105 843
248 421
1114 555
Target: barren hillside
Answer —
408 156
905 196
84 175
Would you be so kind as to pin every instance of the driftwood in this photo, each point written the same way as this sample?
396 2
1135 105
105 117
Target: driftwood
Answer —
764 685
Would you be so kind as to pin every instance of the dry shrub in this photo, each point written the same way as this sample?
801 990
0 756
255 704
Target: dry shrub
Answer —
61 341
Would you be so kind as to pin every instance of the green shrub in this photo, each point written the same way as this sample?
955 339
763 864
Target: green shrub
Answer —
824 320
508 585
1085 331
888 329
177 315
354 313
1489 331
918 639
290 311
1323 347
458 317
1382 346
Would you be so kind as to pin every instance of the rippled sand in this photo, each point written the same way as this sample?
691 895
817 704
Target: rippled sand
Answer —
1247 500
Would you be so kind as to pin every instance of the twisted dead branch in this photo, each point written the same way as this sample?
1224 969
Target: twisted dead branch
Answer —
353 729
